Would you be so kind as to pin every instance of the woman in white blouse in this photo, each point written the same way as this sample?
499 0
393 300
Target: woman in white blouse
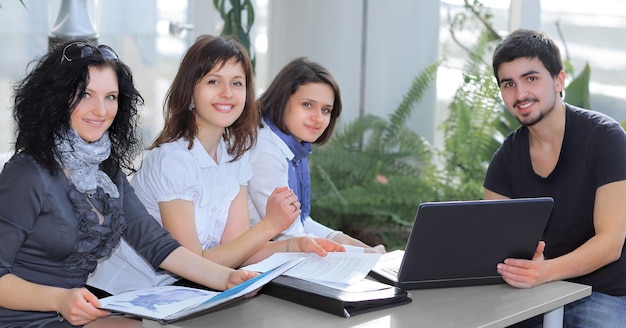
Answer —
300 108
194 178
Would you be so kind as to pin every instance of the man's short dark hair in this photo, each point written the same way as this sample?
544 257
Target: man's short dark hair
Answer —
530 44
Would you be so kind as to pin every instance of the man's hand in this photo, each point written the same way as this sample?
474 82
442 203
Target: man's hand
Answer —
525 273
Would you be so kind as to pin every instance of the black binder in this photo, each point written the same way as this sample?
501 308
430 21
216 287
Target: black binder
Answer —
338 302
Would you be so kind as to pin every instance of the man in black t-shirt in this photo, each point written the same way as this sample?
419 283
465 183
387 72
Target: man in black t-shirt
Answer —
577 157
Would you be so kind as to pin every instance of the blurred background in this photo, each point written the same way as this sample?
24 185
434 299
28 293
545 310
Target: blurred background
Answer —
374 48
422 115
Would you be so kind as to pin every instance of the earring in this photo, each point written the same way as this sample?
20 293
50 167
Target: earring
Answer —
192 106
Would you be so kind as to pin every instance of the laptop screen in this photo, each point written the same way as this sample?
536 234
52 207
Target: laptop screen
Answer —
460 243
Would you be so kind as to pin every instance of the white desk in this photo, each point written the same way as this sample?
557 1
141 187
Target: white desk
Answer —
479 306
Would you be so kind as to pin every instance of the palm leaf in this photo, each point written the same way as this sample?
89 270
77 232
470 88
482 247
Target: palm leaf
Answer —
372 167
577 91
473 126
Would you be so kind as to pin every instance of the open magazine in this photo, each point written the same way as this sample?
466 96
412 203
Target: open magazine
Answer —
337 269
335 283
167 304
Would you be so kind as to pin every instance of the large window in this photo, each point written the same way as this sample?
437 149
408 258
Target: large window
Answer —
586 31
589 32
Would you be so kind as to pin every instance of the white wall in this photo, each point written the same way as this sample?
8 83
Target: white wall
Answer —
402 37
374 67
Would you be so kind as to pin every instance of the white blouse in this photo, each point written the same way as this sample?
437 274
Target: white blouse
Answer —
271 170
171 172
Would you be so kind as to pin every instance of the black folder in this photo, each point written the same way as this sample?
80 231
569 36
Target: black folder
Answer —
335 301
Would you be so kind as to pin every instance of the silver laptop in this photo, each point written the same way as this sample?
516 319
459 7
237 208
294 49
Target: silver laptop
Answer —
460 243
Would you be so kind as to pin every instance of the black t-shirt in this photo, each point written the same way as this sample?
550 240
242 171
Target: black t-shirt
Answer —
593 154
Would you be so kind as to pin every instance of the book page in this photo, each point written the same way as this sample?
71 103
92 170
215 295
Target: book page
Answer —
171 302
337 267
157 302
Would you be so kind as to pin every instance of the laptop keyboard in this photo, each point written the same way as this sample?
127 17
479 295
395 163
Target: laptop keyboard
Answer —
391 270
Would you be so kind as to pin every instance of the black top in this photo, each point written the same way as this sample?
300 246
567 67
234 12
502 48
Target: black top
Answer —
593 154
51 236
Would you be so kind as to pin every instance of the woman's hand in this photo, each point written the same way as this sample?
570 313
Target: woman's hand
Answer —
380 248
282 209
344 239
78 306
320 246
238 276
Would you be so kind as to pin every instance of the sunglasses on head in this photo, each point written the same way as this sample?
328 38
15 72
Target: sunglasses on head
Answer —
79 49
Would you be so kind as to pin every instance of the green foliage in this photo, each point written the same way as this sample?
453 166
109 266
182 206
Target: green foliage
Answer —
577 91
238 17
475 14
374 172
368 175
474 127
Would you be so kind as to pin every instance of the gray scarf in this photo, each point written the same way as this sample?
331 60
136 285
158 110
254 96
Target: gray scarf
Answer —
83 159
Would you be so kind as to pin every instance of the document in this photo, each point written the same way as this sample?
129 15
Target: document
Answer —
338 269
335 283
170 303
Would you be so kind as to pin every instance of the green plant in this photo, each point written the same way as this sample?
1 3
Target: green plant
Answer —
348 192
473 128
238 17
478 121
368 175
475 14
577 91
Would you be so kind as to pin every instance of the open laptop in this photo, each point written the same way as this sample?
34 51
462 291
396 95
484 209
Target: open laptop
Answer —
460 243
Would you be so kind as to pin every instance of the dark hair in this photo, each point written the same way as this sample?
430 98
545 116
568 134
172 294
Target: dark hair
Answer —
530 44
207 53
298 72
46 97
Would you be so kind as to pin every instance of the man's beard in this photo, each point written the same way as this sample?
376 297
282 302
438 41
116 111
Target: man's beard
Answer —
539 117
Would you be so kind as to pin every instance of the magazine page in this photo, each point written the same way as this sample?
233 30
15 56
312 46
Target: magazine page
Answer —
157 302
342 268
172 302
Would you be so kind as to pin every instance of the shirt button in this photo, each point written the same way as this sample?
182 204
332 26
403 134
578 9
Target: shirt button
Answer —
214 209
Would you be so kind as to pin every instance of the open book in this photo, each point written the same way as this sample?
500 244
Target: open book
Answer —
335 283
167 304
337 269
